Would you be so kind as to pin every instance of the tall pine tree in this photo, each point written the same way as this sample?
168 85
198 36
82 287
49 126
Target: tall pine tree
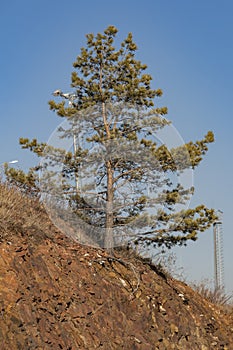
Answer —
118 180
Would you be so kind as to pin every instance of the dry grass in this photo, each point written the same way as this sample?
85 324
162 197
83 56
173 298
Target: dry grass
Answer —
216 296
19 212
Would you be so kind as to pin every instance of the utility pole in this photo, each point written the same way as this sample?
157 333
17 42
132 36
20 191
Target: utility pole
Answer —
70 97
76 173
218 252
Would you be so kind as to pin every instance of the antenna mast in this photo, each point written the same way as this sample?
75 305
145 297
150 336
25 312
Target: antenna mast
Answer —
218 253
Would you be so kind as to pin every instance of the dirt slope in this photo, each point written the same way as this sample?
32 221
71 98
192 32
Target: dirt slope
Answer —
56 294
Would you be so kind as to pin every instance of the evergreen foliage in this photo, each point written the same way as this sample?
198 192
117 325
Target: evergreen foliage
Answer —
113 106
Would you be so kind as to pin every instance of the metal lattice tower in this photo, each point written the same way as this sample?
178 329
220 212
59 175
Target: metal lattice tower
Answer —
218 253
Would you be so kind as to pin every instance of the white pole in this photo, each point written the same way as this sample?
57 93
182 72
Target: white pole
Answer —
76 173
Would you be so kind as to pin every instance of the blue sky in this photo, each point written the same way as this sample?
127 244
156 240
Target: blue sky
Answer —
188 48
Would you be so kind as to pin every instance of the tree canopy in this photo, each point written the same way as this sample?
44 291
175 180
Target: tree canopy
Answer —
119 183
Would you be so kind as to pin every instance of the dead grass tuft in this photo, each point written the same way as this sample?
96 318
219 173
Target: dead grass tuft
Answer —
216 296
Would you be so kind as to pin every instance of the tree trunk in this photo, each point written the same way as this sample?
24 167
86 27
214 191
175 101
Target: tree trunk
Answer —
108 242
108 239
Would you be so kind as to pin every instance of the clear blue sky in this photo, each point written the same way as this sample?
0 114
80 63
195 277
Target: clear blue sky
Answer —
189 51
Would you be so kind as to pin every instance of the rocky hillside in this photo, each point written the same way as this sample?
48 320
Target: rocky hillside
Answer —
56 294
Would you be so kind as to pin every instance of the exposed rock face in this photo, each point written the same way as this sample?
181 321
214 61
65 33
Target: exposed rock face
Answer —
56 294
59 295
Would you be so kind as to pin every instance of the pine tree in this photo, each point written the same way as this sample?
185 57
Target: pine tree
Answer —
127 194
